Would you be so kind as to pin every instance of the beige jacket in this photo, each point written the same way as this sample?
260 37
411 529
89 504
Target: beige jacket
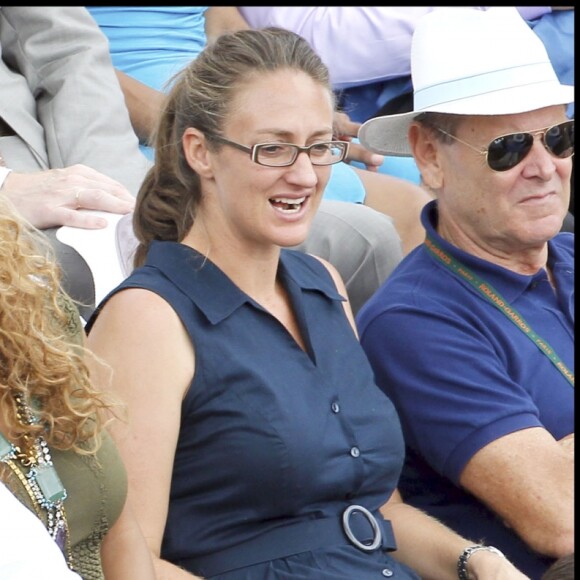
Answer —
60 95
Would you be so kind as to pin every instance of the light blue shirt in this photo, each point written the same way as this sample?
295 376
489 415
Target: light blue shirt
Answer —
152 43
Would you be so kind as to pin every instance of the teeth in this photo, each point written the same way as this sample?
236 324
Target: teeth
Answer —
288 200
288 209
287 204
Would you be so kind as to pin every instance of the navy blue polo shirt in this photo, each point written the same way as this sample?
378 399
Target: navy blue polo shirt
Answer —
461 374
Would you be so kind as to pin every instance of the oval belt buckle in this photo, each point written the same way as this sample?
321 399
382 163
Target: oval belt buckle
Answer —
374 525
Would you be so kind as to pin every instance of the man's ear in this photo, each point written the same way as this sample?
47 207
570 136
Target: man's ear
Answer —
196 153
426 153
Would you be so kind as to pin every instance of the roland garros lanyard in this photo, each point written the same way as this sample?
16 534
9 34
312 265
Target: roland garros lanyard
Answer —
492 296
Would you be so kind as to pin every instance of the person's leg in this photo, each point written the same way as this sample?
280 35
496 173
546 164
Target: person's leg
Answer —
361 243
396 197
399 199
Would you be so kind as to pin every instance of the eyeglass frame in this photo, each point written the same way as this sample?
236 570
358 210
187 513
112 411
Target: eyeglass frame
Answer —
485 150
254 150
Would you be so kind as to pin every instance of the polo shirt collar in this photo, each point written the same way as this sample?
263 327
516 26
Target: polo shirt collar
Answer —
508 283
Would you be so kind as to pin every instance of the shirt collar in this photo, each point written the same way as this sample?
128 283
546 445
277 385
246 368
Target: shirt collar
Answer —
213 292
508 283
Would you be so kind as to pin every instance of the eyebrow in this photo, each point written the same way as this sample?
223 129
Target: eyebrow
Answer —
287 135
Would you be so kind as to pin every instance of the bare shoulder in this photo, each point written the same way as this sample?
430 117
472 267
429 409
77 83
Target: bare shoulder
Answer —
140 336
333 272
138 315
337 278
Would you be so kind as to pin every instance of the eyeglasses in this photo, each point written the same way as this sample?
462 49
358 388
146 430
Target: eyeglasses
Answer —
506 151
284 154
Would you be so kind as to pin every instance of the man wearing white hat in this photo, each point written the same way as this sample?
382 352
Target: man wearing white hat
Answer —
472 336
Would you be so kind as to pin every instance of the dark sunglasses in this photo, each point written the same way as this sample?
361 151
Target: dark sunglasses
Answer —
506 151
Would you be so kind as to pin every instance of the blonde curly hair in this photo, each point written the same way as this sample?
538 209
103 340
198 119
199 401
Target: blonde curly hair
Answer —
40 360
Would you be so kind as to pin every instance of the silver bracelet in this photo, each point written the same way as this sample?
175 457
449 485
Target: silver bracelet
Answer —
462 573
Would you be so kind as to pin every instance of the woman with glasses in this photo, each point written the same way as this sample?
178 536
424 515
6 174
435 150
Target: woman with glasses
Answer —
258 445
473 336
149 44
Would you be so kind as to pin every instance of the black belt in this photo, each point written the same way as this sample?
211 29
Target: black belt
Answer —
357 526
5 129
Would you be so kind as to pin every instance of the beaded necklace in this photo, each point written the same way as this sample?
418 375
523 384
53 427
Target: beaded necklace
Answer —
41 481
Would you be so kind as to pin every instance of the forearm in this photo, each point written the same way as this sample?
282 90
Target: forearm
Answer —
167 571
424 543
144 104
221 19
400 199
567 444
527 478
433 550
124 552
125 562
547 525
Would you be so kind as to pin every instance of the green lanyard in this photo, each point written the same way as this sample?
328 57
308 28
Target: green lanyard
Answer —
492 296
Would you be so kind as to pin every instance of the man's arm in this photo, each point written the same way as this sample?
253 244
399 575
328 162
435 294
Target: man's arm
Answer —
471 421
220 19
527 478
144 104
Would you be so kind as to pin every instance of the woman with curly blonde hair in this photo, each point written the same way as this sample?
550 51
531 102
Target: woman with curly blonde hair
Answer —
55 453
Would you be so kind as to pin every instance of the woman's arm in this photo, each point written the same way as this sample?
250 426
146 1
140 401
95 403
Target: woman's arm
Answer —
433 550
142 339
124 552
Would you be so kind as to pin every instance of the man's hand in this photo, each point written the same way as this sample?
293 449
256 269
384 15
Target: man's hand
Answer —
345 130
51 198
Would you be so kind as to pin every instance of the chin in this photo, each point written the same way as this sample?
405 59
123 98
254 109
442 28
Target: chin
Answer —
542 230
293 235
291 241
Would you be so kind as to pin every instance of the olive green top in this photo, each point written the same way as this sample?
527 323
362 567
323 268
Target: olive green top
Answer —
96 486
96 490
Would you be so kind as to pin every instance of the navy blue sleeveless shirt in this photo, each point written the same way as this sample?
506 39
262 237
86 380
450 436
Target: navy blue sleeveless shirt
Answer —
272 436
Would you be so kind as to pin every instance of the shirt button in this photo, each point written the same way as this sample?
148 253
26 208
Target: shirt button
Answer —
335 407
387 573
355 451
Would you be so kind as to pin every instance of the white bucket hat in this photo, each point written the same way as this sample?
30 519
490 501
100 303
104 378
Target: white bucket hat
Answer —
469 61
